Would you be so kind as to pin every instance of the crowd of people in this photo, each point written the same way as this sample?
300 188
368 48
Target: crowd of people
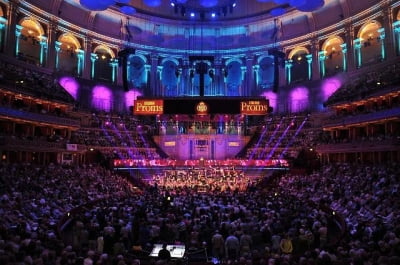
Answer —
38 84
367 84
342 214
218 179
34 199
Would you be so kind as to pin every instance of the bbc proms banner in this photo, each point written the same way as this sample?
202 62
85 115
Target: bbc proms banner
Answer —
148 107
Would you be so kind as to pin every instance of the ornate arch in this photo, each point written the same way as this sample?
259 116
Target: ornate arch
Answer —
141 56
296 50
31 23
259 59
331 40
72 39
231 60
175 61
367 26
106 48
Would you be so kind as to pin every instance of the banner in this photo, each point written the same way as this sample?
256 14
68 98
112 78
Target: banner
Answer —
148 107
254 107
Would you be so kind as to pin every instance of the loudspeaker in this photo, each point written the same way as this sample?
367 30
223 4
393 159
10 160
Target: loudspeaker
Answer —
125 73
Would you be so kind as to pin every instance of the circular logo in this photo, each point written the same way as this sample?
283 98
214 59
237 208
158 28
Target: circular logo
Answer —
201 108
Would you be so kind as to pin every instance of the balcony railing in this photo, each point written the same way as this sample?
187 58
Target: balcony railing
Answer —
37 117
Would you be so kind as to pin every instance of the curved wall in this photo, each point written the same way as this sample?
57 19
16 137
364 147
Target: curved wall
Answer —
342 38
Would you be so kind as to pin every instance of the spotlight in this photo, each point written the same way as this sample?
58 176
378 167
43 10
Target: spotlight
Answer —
192 14
234 4
172 4
213 14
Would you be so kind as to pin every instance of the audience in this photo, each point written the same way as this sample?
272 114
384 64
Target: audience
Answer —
342 214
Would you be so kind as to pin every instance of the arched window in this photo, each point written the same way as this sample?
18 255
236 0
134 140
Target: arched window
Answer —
233 77
169 77
265 74
31 42
370 40
300 66
103 70
67 55
137 75
333 55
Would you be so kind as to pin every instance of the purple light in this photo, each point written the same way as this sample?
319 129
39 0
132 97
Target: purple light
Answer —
272 98
101 98
70 85
299 99
130 98
329 86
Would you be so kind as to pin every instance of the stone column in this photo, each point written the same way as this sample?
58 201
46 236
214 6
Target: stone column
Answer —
357 52
3 23
43 51
57 48
80 55
396 29
18 29
114 69
153 75
158 81
242 87
321 59
255 71
344 52
310 66
382 36
219 77
288 68
249 87
93 59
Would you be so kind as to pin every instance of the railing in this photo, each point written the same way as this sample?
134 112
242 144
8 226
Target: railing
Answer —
36 117
360 146
369 117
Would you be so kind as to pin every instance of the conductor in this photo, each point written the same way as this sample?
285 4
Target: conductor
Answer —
164 253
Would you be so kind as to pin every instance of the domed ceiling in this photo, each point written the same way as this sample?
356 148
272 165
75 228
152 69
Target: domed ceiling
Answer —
204 9
169 26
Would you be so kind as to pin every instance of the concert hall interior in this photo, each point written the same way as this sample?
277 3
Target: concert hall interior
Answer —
169 132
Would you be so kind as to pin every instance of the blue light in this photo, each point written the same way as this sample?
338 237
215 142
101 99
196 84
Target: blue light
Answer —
213 14
277 11
172 4
234 4
192 14
127 10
